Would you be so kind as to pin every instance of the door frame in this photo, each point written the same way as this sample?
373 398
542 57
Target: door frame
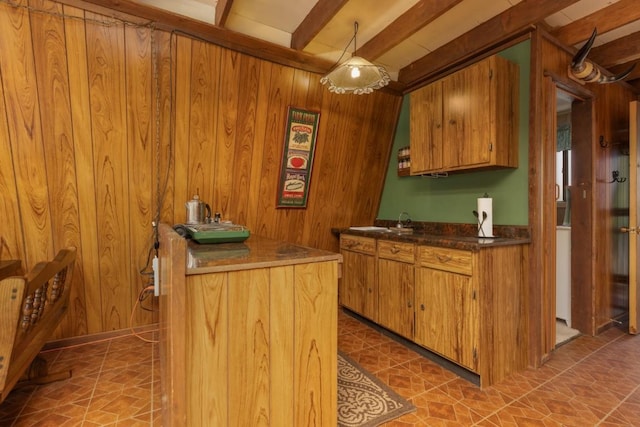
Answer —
634 223
542 207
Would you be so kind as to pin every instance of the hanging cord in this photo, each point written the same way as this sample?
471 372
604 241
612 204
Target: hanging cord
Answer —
353 39
133 310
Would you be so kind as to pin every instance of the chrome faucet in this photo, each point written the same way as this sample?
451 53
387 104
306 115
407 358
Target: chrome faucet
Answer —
406 222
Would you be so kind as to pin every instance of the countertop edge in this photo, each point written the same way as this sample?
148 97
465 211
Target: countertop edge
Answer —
262 264
472 243
254 253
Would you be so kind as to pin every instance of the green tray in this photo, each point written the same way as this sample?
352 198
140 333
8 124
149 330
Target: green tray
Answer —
218 233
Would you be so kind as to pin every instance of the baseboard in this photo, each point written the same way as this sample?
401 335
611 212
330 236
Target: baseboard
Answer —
464 373
100 336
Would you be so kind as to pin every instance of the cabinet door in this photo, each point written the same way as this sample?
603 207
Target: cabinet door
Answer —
358 290
425 130
395 296
447 315
467 112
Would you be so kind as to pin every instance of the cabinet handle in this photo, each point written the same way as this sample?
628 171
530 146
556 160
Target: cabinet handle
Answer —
422 307
395 250
444 258
452 122
438 125
409 304
370 290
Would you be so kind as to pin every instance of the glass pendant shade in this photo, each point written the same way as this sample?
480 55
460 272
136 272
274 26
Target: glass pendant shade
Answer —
356 75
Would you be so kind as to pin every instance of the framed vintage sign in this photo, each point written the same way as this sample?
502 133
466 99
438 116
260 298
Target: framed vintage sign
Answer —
297 158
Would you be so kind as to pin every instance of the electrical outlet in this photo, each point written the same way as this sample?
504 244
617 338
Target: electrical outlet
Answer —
156 277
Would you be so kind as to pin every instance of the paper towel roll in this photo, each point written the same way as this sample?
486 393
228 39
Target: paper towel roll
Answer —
485 225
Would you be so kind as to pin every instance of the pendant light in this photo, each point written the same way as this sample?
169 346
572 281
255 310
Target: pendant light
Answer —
356 74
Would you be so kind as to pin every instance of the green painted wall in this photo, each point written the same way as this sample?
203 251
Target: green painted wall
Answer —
452 199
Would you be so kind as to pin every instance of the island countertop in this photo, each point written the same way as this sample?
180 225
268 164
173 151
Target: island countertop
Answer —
255 252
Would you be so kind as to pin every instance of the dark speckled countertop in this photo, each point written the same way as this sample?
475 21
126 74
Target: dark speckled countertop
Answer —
255 252
457 236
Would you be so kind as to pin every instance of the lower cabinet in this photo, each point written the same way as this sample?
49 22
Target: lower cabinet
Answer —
469 306
358 288
446 307
396 286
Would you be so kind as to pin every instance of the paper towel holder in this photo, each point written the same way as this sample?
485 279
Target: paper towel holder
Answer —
483 215
480 221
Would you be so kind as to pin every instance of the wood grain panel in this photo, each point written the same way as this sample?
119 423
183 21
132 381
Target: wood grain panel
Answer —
258 147
503 307
105 48
281 338
86 267
245 146
249 361
164 160
205 62
57 129
174 318
225 171
208 382
275 111
317 346
139 132
11 243
20 97
182 111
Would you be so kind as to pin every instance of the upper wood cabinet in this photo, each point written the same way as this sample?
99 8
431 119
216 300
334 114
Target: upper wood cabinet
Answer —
467 120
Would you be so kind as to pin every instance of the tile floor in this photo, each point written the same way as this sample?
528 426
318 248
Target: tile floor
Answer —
115 382
589 381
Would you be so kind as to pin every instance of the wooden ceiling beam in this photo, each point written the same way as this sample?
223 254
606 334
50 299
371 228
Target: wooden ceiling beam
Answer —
620 51
222 11
486 35
606 19
316 19
407 24
163 20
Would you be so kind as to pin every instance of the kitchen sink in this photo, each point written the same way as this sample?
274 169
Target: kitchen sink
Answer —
369 228
393 230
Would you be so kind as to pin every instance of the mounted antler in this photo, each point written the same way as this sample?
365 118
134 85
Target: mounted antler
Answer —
586 71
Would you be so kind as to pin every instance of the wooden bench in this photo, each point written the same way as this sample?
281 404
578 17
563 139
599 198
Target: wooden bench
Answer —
31 308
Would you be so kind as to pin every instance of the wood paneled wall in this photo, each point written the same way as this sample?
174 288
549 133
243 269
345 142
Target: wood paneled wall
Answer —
107 126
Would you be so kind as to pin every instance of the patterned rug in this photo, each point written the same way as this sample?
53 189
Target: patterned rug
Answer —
363 400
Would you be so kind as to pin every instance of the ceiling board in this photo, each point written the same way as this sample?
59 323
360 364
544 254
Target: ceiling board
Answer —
274 21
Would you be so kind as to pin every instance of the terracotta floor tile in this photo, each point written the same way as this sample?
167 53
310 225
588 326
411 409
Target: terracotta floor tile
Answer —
373 360
588 381
397 352
350 343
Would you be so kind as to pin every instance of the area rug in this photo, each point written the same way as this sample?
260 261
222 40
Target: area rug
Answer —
364 400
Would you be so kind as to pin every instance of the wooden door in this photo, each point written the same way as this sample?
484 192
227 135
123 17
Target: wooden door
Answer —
466 110
425 130
447 315
634 223
395 296
358 287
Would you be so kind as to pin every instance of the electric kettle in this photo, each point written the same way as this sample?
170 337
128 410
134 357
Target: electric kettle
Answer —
196 210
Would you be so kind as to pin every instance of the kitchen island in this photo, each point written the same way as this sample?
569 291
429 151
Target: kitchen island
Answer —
248 333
